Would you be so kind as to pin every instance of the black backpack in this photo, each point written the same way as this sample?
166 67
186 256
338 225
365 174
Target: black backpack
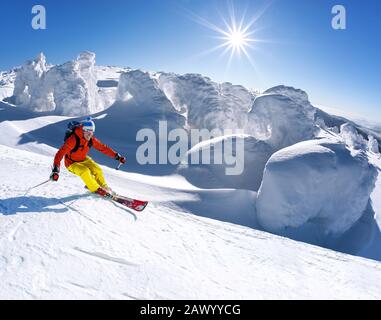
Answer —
70 130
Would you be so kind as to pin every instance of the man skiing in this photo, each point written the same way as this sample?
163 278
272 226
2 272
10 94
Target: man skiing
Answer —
75 150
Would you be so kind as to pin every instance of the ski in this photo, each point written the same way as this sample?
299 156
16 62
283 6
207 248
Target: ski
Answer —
137 205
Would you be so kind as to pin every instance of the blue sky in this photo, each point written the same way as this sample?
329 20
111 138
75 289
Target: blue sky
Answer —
340 69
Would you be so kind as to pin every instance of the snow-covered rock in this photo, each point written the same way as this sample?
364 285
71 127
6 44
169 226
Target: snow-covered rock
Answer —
317 184
280 120
373 144
351 137
207 104
246 164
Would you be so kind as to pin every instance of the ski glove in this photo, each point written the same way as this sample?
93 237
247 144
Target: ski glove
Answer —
120 158
55 174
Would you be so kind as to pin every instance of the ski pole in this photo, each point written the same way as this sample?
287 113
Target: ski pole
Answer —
40 184
117 168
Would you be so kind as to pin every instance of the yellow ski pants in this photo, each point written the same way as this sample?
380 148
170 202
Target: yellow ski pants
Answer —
90 173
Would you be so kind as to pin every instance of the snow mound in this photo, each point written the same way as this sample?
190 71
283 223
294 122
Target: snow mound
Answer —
247 163
280 121
69 89
207 104
318 183
351 137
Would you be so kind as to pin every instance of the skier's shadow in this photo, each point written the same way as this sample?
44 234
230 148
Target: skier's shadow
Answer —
32 204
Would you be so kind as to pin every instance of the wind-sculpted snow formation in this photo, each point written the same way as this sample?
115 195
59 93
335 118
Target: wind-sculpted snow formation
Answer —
207 104
69 89
280 120
317 184
146 100
351 137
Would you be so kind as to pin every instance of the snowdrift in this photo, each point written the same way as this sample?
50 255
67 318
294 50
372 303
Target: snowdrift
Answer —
317 185
251 158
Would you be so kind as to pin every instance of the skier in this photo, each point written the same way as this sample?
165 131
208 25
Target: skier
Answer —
75 150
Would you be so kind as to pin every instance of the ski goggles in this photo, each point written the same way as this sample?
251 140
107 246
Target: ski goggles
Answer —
88 126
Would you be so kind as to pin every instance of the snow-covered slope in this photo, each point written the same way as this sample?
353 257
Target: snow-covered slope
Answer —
202 235
60 242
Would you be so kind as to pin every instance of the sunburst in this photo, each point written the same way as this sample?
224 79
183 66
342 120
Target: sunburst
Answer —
237 36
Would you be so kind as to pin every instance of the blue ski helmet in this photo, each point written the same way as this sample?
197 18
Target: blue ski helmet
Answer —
88 125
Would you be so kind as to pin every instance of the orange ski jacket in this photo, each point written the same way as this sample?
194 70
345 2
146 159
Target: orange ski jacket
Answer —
76 148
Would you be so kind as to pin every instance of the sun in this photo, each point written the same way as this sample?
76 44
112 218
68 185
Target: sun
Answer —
236 37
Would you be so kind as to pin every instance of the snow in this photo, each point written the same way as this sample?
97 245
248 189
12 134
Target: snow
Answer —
373 145
29 88
62 243
7 80
297 95
280 121
207 104
69 89
140 86
351 136
107 83
315 189
367 122
255 154
204 234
